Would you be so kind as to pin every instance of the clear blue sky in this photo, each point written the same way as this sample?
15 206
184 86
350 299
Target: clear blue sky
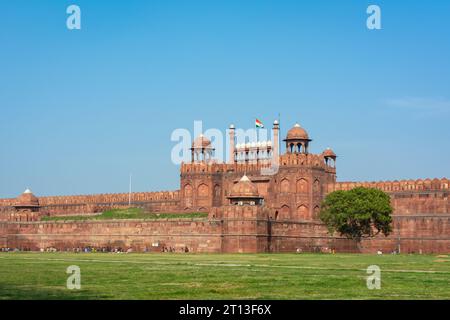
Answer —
81 109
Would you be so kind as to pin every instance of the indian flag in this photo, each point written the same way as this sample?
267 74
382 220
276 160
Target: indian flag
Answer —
258 124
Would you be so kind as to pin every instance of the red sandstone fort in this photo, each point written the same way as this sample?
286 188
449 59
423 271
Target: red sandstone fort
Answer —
260 201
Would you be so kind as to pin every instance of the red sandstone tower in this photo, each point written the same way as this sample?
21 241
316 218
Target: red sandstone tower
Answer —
294 192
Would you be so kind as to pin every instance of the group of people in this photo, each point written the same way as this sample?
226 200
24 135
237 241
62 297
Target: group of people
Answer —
90 249
99 250
7 249
172 249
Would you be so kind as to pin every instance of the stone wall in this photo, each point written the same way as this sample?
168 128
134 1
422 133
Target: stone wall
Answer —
244 229
196 235
414 234
165 201
395 186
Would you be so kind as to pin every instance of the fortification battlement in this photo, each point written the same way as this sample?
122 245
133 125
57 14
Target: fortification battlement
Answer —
7 202
110 198
396 185
102 198
214 167
301 159
290 159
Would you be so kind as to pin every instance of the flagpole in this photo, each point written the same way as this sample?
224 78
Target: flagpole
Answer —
257 130
129 194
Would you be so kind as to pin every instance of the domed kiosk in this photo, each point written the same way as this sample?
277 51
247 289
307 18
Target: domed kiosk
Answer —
245 192
202 149
330 157
27 201
297 140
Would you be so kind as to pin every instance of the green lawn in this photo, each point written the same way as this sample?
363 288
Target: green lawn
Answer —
214 276
131 213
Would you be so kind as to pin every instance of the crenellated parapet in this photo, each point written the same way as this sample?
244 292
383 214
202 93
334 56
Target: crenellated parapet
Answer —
396 185
7 202
289 159
110 198
310 160
211 168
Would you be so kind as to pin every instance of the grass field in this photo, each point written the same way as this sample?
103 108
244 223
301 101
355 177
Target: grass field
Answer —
214 276
131 213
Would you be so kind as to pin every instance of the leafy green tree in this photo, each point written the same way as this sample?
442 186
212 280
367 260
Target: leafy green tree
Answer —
357 213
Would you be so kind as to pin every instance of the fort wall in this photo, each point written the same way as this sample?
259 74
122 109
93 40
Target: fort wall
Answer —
164 201
156 236
285 217
396 185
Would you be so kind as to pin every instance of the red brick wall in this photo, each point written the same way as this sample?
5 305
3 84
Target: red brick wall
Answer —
198 236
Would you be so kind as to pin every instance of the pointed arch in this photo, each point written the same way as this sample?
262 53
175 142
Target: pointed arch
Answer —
302 185
316 212
302 212
285 185
285 212
316 186
187 190
203 190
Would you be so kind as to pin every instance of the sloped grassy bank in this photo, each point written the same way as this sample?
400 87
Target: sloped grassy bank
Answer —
130 213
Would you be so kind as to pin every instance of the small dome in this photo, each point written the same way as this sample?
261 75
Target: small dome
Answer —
276 122
232 126
244 189
201 142
329 153
27 199
297 133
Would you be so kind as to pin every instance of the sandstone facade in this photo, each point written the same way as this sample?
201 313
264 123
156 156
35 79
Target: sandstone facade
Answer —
278 212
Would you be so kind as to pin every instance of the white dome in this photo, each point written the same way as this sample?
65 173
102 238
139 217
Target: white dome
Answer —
269 143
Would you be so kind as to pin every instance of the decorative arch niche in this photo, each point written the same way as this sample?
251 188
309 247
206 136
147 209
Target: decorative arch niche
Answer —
203 190
188 191
302 185
302 212
316 212
285 186
316 186
285 212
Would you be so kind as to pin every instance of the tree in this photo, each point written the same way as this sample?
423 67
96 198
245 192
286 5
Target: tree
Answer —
357 213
